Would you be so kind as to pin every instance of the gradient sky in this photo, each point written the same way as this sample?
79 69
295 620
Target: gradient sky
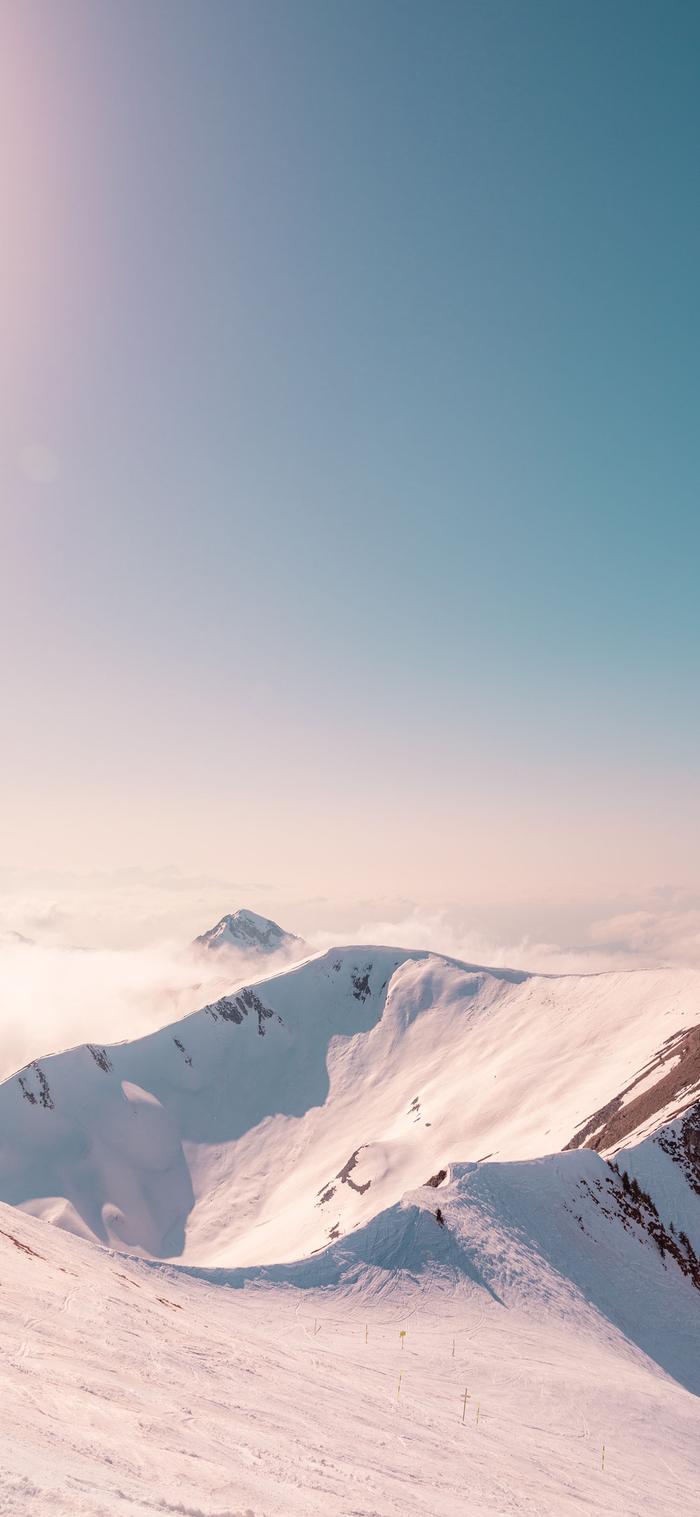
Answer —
349 442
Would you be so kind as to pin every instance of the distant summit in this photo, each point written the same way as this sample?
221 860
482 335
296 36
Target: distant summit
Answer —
246 931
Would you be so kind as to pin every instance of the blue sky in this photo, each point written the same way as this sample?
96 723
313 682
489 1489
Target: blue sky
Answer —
350 442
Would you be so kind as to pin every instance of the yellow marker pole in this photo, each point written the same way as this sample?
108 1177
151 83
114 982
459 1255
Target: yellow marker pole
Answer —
466 1398
453 1348
402 1335
365 1332
602 1458
478 1409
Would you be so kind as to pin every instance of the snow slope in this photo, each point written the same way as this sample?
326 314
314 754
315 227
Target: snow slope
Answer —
295 1110
547 1367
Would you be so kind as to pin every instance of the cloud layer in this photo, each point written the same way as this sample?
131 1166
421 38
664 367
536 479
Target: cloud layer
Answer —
70 971
53 997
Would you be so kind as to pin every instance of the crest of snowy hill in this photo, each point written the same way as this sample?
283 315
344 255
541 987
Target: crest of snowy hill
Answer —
558 1235
294 1110
246 932
534 1349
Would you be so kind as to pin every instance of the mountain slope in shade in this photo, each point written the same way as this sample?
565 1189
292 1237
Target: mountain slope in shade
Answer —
550 1232
534 1354
247 932
287 1114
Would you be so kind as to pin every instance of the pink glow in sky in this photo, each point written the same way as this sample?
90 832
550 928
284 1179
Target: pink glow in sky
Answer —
348 510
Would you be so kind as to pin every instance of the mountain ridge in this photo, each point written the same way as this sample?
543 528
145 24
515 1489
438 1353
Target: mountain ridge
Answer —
288 1112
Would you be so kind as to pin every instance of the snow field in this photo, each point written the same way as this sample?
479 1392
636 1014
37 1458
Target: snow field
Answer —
136 1388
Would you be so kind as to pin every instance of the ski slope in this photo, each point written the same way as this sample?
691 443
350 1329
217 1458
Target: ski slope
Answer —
293 1111
545 1370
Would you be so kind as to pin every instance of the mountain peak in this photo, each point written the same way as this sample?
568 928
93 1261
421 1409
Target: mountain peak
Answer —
244 929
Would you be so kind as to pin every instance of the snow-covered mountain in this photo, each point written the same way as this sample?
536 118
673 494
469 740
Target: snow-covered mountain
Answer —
247 932
432 1229
292 1111
532 1353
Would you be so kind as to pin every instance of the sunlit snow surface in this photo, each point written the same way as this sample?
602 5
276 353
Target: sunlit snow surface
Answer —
264 1126
129 1387
274 1147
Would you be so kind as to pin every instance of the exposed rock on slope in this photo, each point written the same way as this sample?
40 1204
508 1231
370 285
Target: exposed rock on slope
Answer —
666 1085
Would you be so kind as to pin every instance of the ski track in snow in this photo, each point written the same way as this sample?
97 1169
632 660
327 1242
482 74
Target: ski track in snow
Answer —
140 1388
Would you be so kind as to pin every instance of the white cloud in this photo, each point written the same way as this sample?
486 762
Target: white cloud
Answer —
53 997
662 929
